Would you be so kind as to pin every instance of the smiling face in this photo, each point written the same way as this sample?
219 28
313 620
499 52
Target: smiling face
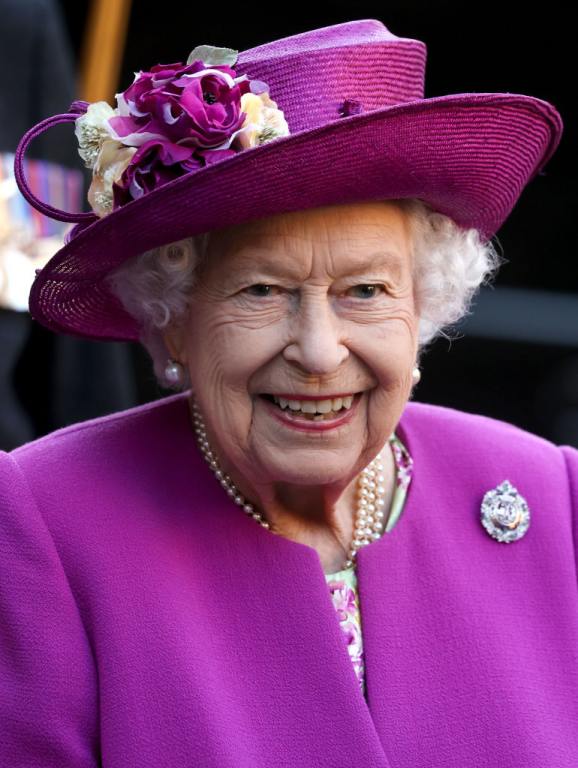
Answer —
284 305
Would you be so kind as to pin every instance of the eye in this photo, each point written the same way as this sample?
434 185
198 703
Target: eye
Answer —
263 290
373 289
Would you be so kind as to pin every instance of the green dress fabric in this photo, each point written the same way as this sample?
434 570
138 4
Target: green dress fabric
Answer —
343 584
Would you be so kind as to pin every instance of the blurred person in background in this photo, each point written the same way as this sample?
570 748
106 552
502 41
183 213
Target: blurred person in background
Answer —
46 380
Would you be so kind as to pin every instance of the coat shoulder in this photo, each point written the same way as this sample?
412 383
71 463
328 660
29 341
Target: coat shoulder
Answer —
100 435
475 433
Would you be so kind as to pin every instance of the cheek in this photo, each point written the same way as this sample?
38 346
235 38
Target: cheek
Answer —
388 355
226 356
388 352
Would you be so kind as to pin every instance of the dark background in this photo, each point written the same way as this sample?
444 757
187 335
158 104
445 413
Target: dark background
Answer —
516 357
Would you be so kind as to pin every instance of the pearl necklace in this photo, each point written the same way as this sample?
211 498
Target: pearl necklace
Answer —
369 518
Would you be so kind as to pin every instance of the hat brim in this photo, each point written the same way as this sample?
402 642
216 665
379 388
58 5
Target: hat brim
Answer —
469 156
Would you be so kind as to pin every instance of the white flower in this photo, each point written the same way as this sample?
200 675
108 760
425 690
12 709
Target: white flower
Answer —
264 120
92 129
110 164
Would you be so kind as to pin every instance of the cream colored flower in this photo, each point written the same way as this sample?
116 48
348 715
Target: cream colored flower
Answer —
111 162
264 120
92 129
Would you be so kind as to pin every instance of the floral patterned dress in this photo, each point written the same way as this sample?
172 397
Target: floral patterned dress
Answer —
343 584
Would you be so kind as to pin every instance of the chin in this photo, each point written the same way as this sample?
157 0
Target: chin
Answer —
306 466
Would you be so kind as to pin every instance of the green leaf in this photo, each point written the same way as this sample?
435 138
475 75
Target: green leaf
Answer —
211 55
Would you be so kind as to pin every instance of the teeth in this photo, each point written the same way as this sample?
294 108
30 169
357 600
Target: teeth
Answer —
310 406
315 406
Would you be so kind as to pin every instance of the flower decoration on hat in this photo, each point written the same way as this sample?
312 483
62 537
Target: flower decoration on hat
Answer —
173 119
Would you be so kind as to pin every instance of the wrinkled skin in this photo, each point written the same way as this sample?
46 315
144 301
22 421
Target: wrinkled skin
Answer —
316 330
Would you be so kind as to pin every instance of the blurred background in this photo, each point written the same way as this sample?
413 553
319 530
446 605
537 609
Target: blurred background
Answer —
515 356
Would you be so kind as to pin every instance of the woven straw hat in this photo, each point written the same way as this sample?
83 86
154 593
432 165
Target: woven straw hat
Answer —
359 128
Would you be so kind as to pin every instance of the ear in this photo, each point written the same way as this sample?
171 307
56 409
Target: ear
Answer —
174 338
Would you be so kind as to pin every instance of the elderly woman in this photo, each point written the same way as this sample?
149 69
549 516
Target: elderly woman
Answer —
288 562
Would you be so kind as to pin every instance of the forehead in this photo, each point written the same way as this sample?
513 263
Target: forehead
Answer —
349 236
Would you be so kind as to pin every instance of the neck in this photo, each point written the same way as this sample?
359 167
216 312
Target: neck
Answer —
312 515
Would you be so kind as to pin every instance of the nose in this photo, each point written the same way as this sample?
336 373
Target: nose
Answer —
316 337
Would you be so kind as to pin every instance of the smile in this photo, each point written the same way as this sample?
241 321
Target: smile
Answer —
313 414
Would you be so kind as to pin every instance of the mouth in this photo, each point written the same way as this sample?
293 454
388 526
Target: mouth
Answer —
327 409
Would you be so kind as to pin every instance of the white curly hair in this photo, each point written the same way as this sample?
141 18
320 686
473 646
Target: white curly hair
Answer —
450 263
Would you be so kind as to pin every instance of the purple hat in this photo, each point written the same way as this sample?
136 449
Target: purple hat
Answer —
334 115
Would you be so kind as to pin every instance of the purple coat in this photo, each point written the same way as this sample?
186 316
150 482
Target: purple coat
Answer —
147 621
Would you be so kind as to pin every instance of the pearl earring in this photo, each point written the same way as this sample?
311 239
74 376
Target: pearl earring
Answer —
174 372
416 373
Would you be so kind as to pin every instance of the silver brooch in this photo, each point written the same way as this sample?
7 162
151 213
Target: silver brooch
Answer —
505 513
